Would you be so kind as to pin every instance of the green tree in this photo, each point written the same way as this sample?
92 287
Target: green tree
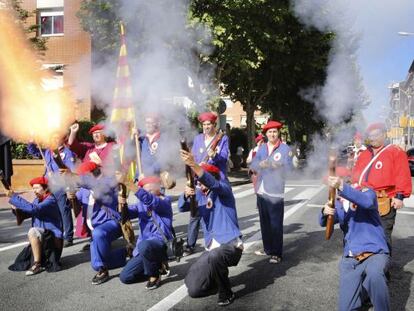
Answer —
264 57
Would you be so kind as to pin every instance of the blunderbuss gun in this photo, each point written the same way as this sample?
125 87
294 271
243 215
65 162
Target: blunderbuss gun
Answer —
126 225
214 144
190 181
20 215
76 208
332 194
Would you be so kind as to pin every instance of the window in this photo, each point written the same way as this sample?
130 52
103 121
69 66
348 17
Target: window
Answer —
51 22
55 78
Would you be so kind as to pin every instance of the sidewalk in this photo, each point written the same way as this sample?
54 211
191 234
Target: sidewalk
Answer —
236 178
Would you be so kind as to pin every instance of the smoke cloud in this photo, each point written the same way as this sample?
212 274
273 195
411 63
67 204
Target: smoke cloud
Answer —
341 99
165 71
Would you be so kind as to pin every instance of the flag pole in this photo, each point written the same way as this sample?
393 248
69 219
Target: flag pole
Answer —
136 138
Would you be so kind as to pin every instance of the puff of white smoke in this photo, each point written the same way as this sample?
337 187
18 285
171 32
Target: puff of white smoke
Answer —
166 57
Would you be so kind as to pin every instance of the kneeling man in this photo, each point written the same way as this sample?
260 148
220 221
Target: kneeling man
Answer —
210 273
155 221
45 235
366 257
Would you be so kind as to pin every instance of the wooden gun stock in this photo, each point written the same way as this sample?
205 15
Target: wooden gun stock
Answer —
58 159
126 225
330 221
190 182
122 208
20 215
76 208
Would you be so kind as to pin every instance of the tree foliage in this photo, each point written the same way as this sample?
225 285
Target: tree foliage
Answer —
265 57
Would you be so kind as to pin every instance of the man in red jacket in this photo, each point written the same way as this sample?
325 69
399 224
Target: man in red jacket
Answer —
385 169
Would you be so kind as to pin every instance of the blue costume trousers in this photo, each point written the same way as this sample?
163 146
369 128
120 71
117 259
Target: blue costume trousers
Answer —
147 263
101 253
193 229
359 280
66 214
271 212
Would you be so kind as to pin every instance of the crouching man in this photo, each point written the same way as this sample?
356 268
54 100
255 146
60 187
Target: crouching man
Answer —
45 235
154 212
98 197
366 257
210 273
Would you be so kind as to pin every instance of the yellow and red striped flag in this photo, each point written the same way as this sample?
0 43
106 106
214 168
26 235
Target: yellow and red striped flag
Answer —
122 107
123 115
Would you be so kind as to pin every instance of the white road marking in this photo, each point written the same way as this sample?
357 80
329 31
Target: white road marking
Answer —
405 212
171 300
315 205
13 246
308 193
175 297
237 188
293 185
244 193
409 202
297 206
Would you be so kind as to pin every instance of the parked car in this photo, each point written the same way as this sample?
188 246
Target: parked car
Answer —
410 155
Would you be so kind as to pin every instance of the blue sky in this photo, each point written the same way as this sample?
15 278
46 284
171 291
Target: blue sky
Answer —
384 56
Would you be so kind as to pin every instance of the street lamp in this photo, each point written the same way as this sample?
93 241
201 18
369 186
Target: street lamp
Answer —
404 33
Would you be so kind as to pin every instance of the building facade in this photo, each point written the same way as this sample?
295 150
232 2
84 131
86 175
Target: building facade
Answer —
68 54
401 118
236 116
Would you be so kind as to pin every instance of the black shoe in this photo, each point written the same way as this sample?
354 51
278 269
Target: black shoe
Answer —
188 251
165 270
68 243
222 302
101 277
86 247
154 284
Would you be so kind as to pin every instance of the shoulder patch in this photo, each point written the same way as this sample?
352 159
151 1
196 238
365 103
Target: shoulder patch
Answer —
290 153
364 189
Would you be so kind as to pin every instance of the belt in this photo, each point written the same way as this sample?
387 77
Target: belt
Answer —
362 256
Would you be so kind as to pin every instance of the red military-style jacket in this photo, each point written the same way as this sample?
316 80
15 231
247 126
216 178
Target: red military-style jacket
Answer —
389 172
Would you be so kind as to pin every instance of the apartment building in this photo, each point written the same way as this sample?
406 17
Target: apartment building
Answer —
68 54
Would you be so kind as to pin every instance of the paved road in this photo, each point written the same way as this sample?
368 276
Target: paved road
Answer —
307 279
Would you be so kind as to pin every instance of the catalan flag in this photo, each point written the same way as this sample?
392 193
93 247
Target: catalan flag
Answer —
123 115
122 107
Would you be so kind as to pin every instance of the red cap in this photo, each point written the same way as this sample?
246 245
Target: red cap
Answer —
207 116
375 126
272 125
86 167
38 180
210 168
97 127
149 180
259 138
